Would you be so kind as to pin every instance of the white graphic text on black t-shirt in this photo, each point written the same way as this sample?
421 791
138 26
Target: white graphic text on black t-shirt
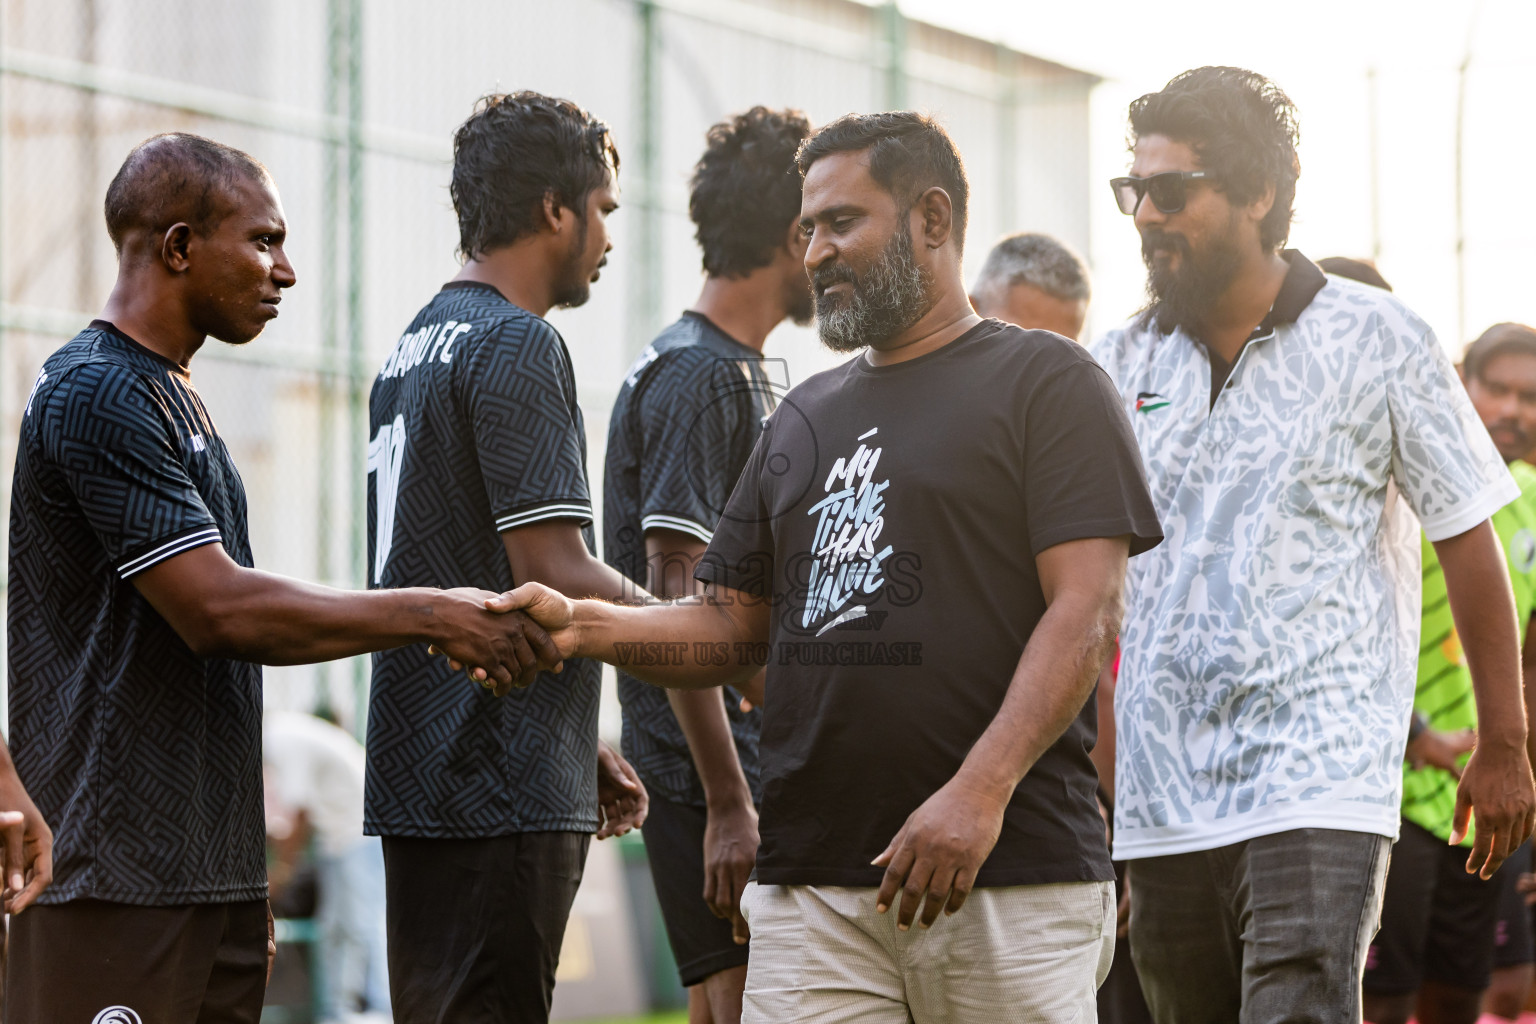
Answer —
846 566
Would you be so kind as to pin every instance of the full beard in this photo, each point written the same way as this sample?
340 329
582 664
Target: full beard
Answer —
892 295
1183 297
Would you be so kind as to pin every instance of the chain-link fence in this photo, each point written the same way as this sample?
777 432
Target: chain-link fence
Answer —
352 105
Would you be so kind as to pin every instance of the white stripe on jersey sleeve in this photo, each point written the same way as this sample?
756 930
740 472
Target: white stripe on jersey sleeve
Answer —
681 525
566 510
209 535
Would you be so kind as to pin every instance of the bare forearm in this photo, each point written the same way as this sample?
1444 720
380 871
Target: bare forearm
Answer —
1483 607
707 727
275 620
587 577
553 553
690 644
1055 675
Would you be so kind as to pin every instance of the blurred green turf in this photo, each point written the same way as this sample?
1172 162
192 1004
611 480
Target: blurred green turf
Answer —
670 1017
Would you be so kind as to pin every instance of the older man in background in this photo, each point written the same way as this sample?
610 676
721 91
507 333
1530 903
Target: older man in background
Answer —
1035 282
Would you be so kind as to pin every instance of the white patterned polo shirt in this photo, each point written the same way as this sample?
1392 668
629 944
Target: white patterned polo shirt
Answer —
1270 642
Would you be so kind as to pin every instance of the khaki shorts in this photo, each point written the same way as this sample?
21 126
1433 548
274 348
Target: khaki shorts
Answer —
1035 953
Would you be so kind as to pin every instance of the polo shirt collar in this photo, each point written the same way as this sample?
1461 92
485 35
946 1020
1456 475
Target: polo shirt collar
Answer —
1303 280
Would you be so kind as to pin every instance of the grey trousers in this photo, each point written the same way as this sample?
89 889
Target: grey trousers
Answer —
1270 930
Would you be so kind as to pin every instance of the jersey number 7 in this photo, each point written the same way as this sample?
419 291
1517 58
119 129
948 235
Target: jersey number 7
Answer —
384 454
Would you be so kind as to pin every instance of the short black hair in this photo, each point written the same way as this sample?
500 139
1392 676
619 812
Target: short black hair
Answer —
1042 261
746 189
1244 129
1363 271
175 178
1497 340
514 150
909 153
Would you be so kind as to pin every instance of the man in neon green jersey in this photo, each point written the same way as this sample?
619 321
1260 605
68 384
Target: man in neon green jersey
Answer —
1436 946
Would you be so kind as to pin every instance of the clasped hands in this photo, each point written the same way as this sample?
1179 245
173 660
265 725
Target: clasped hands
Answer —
503 641
531 632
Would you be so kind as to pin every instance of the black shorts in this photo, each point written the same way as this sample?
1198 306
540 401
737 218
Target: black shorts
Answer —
674 845
76 962
1437 921
1512 940
475 925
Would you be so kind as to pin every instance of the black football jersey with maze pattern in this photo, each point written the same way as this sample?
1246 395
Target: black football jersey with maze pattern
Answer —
475 429
143 758
686 420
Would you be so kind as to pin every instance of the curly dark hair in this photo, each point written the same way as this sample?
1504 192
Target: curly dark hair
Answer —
512 152
1242 126
909 153
746 189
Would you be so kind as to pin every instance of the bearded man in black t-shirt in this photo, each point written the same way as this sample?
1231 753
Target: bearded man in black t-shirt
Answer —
927 550
137 625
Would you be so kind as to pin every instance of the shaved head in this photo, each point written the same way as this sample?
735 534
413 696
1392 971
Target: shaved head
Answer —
176 178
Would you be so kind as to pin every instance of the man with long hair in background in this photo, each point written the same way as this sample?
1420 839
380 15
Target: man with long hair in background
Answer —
686 419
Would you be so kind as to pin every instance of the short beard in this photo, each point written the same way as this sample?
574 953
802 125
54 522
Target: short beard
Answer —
1183 297
574 285
892 296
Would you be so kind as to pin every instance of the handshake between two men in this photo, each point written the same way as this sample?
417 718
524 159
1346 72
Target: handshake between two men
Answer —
500 651
540 628
545 628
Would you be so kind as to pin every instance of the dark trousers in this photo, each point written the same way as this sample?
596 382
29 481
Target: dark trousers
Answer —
1270 930
89 960
674 846
1437 921
475 925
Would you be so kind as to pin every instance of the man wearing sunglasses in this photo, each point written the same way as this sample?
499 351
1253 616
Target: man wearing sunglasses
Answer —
1269 647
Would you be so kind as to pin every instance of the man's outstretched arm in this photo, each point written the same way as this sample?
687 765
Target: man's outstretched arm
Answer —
944 842
221 609
1496 785
719 639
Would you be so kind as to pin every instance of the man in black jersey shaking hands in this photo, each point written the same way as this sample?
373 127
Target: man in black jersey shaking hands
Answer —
137 625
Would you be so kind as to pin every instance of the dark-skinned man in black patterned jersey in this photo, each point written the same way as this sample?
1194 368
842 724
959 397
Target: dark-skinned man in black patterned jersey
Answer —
137 624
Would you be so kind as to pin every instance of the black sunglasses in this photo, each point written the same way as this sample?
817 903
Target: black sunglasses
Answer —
1167 190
